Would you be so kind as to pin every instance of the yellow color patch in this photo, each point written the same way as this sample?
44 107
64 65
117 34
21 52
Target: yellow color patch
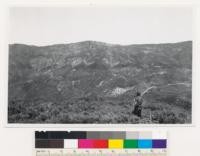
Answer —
115 143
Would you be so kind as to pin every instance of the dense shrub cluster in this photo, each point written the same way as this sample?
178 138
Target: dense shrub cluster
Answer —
87 110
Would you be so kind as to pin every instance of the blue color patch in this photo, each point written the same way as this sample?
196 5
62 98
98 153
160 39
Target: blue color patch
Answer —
144 143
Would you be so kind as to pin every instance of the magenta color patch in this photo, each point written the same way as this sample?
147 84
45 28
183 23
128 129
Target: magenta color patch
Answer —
85 143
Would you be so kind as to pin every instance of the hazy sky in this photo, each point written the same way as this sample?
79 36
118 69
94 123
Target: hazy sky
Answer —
121 25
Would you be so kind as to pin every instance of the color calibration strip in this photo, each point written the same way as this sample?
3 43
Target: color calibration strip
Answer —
110 140
102 143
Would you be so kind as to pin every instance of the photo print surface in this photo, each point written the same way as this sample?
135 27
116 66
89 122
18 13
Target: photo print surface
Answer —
102 65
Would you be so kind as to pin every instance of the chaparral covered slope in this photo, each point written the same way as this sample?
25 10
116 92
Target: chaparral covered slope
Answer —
95 82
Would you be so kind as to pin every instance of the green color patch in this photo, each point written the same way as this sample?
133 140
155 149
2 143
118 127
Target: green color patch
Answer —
130 143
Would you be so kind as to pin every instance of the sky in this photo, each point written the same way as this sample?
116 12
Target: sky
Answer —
118 25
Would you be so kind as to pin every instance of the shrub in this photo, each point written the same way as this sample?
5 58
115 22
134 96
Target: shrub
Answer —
167 117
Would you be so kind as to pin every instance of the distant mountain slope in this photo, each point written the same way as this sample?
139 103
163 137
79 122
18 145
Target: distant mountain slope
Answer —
95 71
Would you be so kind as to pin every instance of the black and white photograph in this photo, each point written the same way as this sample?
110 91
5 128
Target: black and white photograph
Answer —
100 65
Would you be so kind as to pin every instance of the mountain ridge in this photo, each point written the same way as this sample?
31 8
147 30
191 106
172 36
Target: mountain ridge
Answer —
93 41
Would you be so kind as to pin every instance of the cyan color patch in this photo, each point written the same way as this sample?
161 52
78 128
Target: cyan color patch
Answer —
145 143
